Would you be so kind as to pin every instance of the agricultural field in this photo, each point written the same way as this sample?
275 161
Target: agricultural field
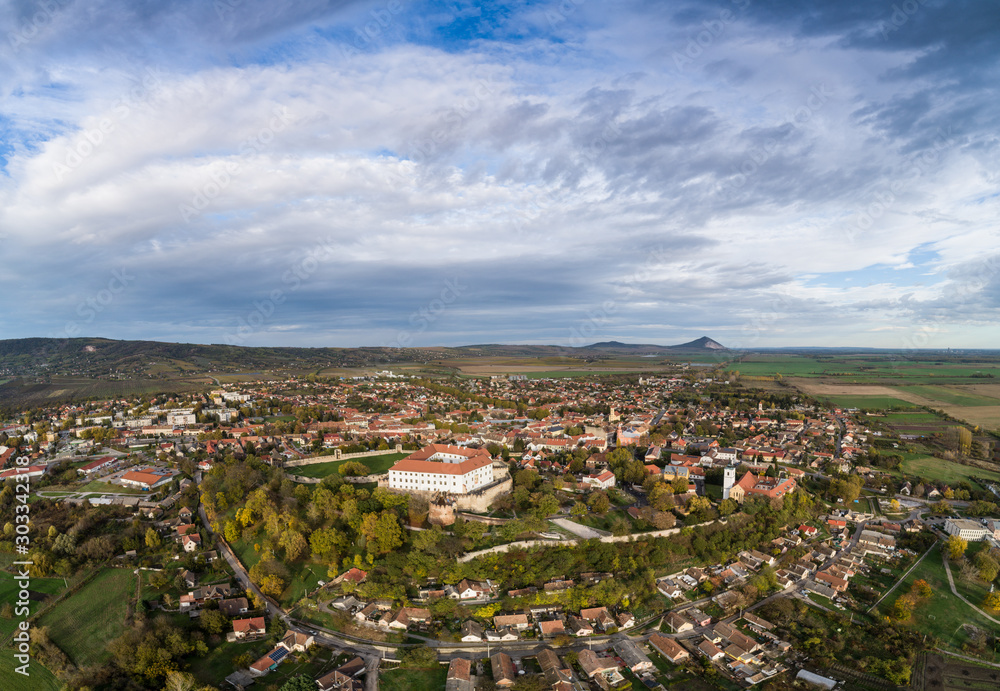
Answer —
39 590
413 679
39 678
939 470
82 624
23 393
376 464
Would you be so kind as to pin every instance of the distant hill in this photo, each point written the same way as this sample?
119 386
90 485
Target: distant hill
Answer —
104 357
703 343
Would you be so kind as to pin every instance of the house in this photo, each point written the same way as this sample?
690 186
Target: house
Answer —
472 632
710 650
504 673
234 606
669 589
551 628
599 615
190 543
556 674
632 655
678 624
668 648
244 628
602 480
515 621
578 627
190 579
626 620
353 575
504 634
472 590
297 641
972 531
698 617
593 665
185 513
459 675
269 661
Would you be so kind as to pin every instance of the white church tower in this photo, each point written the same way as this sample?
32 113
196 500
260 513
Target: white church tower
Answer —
728 480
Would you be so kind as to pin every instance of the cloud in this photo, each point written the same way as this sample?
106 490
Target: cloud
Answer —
348 158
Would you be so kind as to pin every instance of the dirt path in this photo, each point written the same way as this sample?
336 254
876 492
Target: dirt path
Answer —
951 582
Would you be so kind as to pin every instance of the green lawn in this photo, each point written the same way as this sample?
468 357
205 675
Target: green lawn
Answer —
83 623
413 679
38 679
376 465
9 590
108 488
943 615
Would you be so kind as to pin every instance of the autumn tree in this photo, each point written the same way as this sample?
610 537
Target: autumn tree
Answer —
956 547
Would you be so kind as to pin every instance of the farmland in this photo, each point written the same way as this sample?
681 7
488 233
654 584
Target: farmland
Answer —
38 679
82 624
939 470
39 589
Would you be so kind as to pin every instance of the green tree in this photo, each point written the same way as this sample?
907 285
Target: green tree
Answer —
599 502
299 683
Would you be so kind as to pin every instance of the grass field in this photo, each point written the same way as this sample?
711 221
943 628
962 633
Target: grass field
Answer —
943 615
83 623
913 418
108 488
9 590
376 464
940 470
413 679
38 679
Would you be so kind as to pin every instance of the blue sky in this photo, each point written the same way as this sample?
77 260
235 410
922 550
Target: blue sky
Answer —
768 173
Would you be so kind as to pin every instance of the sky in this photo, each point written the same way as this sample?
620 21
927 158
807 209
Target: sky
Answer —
411 173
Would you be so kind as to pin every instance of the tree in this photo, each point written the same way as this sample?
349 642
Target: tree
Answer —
382 531
901 610
213 621
921 588
992 601
421 657
579 509
956 547
599 502
299 683
152 539
180 681
727 507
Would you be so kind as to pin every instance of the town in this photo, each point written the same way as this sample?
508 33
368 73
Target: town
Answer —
686 530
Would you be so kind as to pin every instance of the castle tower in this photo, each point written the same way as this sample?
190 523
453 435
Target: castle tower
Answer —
728 480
